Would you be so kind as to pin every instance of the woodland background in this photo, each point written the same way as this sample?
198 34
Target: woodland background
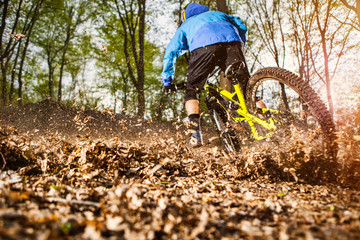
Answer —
108 54
76 163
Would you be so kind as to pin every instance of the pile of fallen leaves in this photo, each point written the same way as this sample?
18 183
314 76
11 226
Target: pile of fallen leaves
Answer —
98 183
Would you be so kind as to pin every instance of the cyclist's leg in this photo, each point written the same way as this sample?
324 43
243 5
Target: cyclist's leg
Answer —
193 111
234 53
201 63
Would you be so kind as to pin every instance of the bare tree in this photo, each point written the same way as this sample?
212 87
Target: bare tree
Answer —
356 9
301 16
329 46
8 43
22 21
28 29
269 24
75 16
133 24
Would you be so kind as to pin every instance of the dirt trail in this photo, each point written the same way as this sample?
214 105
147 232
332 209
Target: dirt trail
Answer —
75 174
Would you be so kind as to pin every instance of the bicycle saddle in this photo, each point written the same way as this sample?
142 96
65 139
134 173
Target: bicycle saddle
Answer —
234 68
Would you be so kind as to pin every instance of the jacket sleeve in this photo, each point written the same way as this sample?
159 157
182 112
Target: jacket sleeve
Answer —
236 21
178 46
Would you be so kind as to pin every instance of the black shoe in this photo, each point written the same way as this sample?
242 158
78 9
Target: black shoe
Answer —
196 140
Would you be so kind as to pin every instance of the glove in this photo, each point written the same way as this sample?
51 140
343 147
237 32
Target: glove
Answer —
168 85
170 89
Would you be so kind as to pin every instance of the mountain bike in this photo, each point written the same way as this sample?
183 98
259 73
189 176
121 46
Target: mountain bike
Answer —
273 103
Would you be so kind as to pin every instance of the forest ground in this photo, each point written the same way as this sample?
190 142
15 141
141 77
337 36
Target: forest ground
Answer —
69 173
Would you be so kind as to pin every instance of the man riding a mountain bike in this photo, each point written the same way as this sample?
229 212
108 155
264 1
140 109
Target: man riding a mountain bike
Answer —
213 39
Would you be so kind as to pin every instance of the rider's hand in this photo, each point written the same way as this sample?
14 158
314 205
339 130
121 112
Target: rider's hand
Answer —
168 85
170 89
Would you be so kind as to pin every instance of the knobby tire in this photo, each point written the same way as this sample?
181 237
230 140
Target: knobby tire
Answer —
306 93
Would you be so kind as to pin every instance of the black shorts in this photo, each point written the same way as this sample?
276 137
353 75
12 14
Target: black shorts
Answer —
203 61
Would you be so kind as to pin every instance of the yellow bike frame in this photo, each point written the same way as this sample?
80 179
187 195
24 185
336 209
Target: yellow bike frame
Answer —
243 111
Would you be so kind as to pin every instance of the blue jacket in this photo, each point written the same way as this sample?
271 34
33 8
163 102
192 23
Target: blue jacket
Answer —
201 28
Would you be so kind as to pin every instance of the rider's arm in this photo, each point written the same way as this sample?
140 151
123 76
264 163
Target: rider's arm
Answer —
236 21
177 47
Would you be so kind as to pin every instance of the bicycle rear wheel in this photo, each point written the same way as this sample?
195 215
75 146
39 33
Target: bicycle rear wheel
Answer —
294 105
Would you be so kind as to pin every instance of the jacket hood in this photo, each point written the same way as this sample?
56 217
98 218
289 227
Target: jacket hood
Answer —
194 9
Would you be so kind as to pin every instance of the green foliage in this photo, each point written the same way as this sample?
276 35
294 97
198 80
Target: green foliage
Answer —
96 35
58 39
54 4
111 59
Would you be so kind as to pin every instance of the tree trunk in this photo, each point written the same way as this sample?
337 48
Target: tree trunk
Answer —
130 29
327 77
59 95
7 51
72 93
3 19
141 101
12 81
51 70
51 84
125 92
325 52
222 6
3 83
284 97
63 59
3 68
23 57
115 101
140 63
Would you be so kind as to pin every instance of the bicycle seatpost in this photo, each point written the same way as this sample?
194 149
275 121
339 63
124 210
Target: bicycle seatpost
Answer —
238 74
